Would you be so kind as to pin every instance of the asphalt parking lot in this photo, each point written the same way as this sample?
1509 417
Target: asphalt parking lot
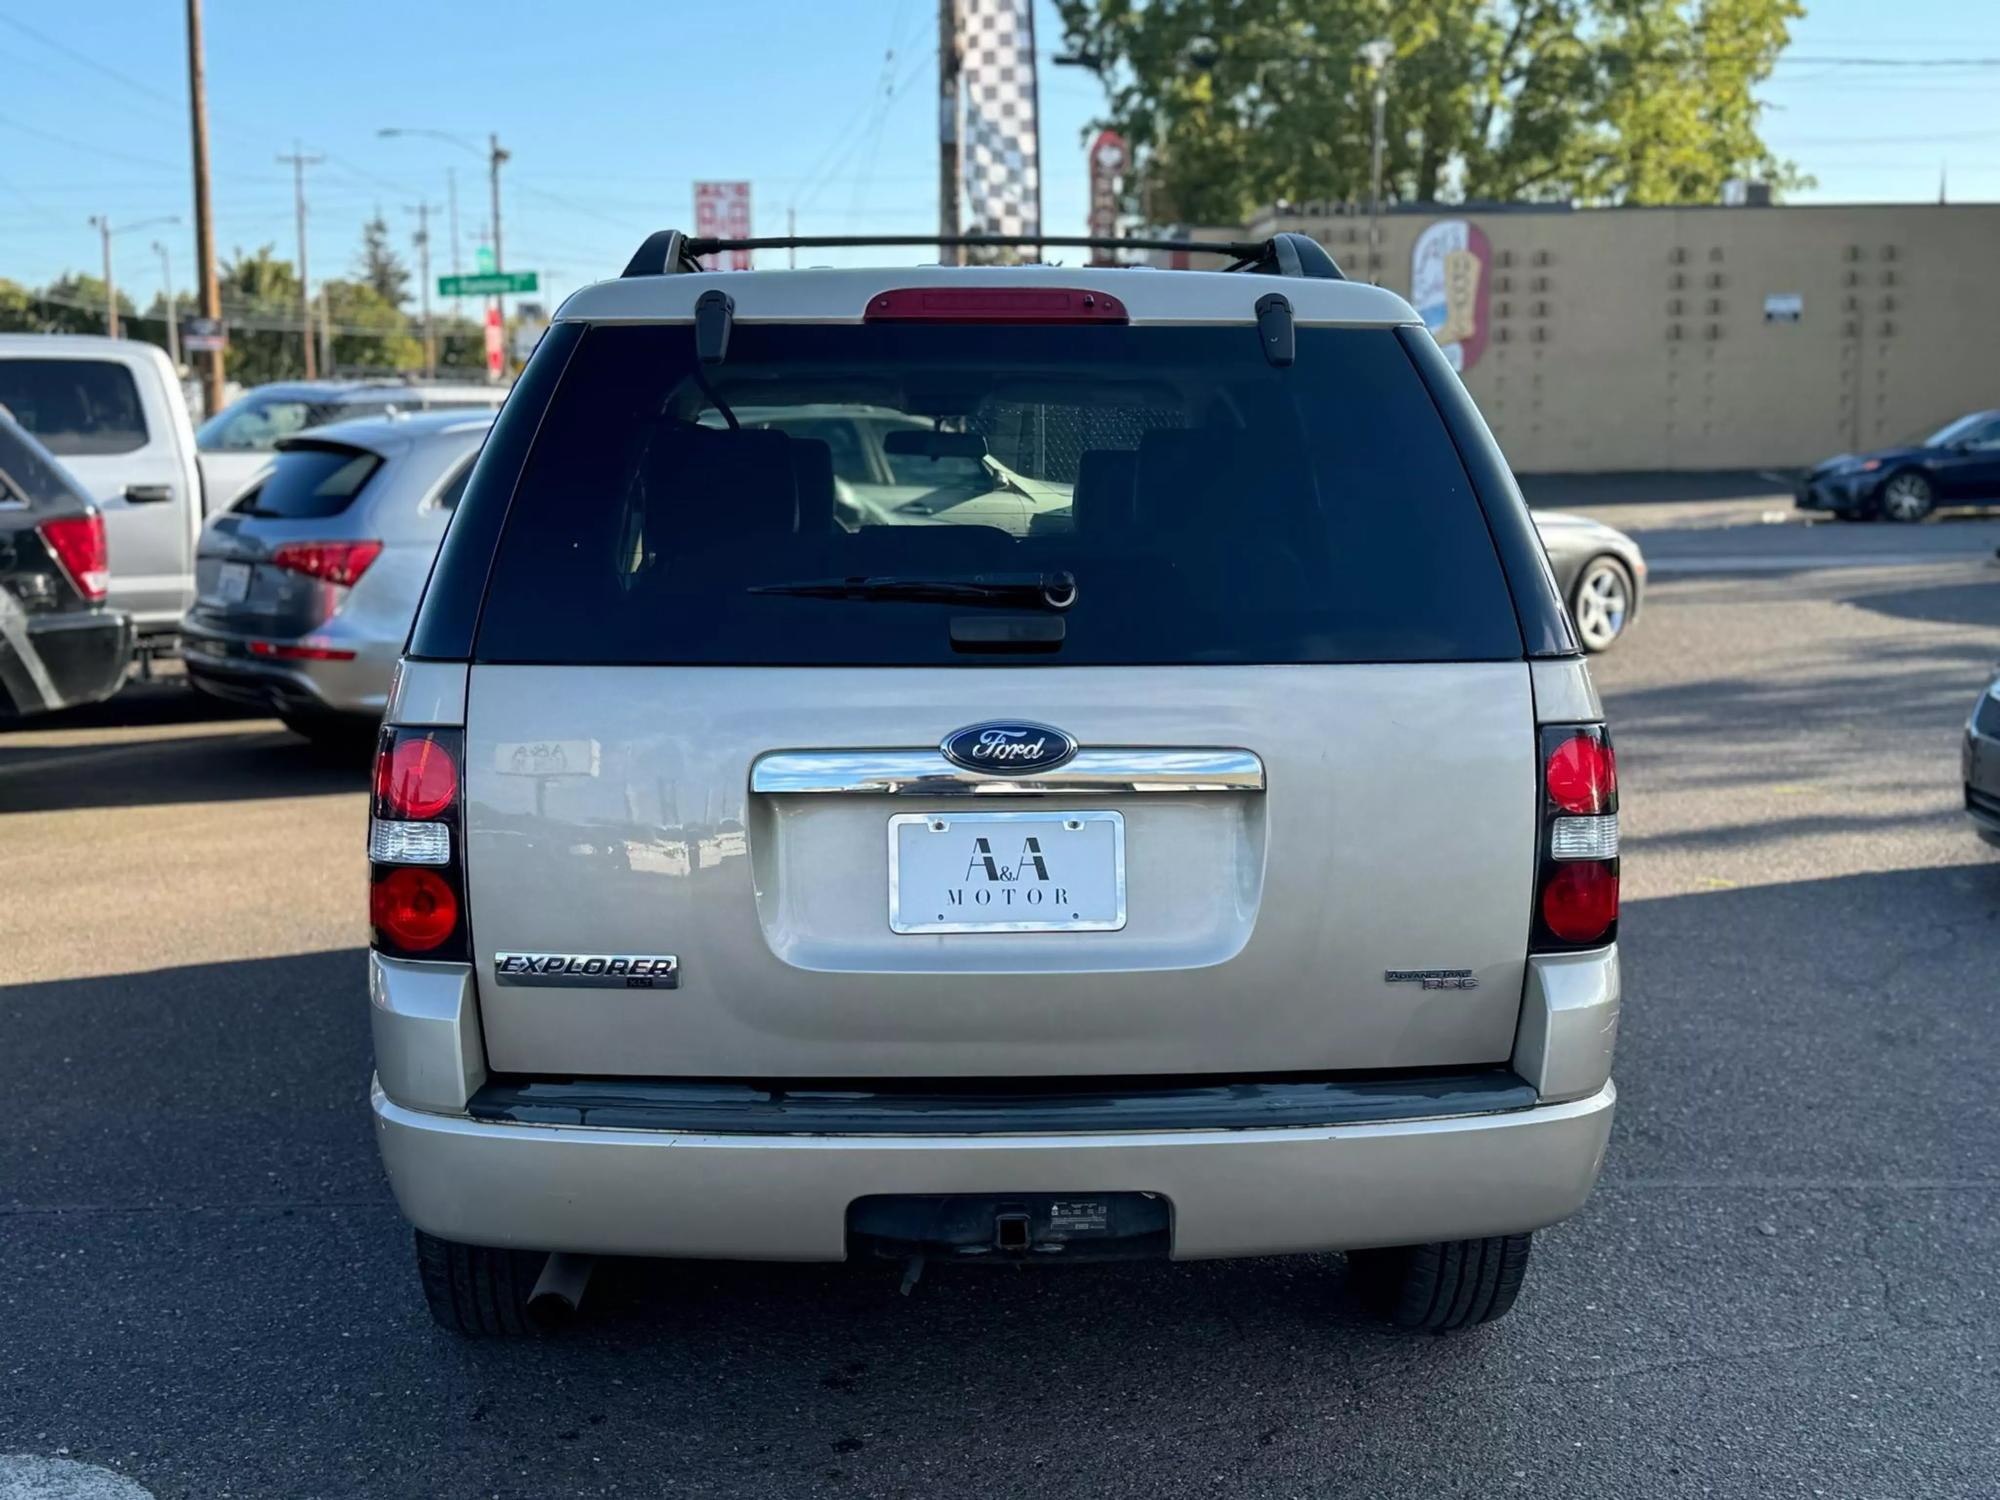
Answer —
1783 1286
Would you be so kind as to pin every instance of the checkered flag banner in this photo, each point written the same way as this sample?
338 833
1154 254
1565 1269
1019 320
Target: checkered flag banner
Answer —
1002 159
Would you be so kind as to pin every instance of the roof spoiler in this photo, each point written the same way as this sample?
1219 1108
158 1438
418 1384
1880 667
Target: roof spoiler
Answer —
668 252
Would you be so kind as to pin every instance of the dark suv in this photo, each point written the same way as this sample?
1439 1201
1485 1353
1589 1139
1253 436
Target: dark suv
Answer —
59 646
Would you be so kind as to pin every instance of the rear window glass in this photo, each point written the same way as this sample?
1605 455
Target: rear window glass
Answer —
311 482
77 407
1205 506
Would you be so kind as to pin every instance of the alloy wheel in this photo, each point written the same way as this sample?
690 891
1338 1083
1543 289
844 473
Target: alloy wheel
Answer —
1603 600
1907 497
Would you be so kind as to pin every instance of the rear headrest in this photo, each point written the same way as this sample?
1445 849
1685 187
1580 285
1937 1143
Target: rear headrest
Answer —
1105 481
724 483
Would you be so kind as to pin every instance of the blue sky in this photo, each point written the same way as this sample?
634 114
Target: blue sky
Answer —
613 108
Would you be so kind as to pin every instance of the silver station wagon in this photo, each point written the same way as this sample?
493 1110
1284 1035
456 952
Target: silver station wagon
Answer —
1149 803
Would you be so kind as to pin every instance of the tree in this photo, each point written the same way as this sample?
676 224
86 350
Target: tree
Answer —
381 268
260 305
1231 104
75 304
370 335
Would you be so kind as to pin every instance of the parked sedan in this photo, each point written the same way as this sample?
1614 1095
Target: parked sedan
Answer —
59 645
1600 571
1982 765
305 588
1959 464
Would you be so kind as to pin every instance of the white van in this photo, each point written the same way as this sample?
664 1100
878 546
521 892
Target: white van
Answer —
113 412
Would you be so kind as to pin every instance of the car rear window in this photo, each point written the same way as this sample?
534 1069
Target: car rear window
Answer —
311 481
1205 505
77 407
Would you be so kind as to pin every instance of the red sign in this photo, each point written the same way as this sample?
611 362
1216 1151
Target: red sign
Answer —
722 212
1108 158
495 343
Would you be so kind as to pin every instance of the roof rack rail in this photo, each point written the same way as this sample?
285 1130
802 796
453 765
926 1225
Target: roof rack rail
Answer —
667 252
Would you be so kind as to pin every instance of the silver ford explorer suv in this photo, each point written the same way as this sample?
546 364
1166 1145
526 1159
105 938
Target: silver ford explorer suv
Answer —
1185 829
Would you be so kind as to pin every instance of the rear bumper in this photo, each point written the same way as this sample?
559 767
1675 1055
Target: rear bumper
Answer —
747 1197
222 667
1436 1172
59 661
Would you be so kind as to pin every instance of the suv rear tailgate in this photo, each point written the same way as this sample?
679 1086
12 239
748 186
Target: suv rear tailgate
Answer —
610 813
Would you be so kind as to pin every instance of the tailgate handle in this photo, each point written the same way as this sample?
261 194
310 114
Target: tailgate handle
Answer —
1007 632
926 773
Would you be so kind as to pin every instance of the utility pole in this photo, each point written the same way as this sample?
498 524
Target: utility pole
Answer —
948 190
173 317
1377 54
495 159
423 238
103 227
451 206
298 163
210 293
792 233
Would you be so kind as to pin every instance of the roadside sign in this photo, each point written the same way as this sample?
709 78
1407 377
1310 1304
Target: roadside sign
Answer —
483 259
496 343
204 335
722 212
489 284
1108 156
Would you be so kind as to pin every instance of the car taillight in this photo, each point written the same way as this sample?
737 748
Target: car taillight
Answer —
416 866
1576 867
331 562
78 545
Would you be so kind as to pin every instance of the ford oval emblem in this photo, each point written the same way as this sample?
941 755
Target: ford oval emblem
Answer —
1008 747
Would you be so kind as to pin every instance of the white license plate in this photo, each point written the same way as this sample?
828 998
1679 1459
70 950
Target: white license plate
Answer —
232 582
1007 872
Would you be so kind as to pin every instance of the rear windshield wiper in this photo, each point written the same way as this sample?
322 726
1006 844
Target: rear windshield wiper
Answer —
1000 590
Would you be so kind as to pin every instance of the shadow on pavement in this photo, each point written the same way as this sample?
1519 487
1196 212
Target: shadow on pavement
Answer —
261 760
162 701
1941 604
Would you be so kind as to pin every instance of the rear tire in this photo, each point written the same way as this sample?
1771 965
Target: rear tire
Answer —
1444 1286
477 1291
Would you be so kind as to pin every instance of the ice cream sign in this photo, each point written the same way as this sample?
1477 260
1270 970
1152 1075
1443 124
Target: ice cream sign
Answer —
1448 286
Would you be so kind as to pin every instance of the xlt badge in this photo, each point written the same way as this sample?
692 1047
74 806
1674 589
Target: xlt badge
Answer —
1433 979
599 971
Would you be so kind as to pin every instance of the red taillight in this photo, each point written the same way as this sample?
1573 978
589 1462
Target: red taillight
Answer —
290 651
330 562
414 909
1576 863
994 304
416 858
1581 902
78 544
1582 774
417 778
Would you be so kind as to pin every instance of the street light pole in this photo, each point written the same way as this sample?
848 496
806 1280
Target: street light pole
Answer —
1377 54
451 209
173 320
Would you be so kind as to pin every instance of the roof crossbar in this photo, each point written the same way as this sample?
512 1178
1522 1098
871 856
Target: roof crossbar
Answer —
668 252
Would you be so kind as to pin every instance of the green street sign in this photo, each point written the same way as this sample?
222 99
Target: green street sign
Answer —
483 258
493 284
